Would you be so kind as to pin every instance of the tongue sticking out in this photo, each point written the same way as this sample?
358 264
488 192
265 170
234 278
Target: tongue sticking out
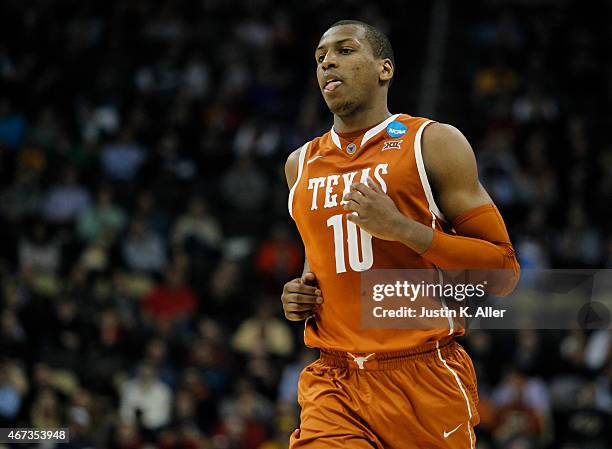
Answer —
332 85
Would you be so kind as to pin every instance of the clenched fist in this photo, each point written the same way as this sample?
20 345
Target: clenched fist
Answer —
301 297
374 211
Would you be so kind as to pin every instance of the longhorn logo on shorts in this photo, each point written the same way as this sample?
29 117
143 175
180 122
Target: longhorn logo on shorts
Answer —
396 129
360 360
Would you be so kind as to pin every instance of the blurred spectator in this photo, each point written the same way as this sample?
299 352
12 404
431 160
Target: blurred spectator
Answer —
235 432
63 349
263 333
279 257
287 387
194 385
156 218
97 121
283 427
225 288
103 218
532 243
580 245
207 362
65 201
46 410
243 417
528 352
196 77
95 257
172 165
13 339
156 355
146 400
496 80
587 425
497 166
598 350
106 353
197 228
22 199
122 159
523 409
247 403
79 420
603 390
184 410
125 436
245 188
13 126
12 391
40 253
535 107
40 260
571 350
46 130
173 301
256 138
142 249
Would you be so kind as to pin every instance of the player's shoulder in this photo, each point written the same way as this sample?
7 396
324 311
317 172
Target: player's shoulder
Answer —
295 158
445 149
308 147
442 140
291 166
411 120
442 132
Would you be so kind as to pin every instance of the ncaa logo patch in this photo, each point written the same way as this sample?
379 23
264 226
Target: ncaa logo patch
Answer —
392 145
396 129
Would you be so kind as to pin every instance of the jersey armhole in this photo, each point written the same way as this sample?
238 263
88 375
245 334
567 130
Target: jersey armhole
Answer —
418 155
302 155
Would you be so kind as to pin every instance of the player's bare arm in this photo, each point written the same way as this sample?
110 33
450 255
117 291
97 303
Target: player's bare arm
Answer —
300 296
451 167
482 240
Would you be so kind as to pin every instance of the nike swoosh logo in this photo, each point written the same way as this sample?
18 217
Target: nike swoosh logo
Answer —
447 434
312 160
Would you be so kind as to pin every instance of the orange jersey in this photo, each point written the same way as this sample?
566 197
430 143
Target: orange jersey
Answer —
338 250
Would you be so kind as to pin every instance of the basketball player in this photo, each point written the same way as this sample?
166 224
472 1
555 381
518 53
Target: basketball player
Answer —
378 191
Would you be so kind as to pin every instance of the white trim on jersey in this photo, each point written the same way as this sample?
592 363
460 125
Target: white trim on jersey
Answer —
306 324
378 128
335 138
451 321
303 152
465 396
433 207
368 135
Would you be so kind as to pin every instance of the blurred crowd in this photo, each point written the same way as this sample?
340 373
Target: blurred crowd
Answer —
145 235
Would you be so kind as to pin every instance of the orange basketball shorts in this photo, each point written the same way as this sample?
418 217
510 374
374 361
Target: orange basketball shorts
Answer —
422 398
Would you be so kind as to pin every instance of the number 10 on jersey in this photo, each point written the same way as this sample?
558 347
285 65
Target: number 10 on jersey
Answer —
354 236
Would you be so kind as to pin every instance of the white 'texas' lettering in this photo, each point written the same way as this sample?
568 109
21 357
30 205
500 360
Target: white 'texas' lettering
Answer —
315 184
348 180
333 187
381 168
330 200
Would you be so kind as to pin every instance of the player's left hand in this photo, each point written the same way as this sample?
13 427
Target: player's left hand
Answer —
374 211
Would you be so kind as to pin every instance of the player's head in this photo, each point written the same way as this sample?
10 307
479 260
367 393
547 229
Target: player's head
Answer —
355 65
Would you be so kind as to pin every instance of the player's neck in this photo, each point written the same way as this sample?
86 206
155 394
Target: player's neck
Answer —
362 119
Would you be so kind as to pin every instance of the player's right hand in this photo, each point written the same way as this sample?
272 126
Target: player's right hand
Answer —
301 297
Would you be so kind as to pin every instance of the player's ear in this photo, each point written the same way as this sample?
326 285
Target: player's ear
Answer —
386 70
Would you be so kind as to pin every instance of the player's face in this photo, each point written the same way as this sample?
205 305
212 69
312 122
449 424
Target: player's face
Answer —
347 70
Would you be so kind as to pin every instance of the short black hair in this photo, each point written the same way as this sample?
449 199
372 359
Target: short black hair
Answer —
381 47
